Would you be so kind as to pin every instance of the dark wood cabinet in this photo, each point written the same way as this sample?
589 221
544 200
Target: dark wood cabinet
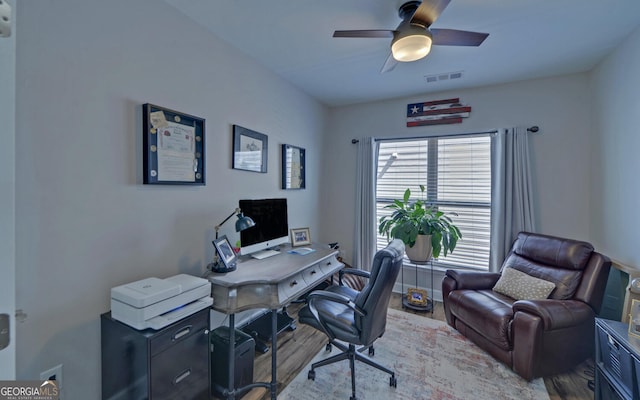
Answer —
170 363
617 361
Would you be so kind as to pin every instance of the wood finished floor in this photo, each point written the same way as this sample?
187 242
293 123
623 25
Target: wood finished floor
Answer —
296 348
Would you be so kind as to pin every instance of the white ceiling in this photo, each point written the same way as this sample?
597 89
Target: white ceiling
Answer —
527 39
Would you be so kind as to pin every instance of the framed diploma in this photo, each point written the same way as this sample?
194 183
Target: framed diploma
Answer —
173 146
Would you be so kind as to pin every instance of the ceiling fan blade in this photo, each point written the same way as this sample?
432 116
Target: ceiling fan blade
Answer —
371 33
454 37
429 11
389 65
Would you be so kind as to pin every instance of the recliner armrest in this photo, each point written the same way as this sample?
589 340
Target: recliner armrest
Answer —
556 314
473 280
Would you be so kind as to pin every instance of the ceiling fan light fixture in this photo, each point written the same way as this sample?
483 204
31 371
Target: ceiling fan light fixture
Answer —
411 44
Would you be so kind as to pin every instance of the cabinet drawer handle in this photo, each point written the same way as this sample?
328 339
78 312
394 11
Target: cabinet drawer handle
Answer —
313 272
293 283
182 376
181 333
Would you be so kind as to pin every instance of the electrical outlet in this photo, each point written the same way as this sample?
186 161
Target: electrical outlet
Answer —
53 374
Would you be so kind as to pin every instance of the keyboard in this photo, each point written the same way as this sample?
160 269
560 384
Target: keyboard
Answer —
264 254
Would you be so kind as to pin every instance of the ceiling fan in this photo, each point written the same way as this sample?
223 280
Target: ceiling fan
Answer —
412 39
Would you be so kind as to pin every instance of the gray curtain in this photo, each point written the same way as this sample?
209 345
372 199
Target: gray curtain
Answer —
511 192
365 208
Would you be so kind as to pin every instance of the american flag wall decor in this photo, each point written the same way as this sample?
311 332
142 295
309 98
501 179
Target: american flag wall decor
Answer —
437 112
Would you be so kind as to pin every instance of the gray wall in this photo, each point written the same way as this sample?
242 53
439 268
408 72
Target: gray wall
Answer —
85 222
561 151
7 195
616 161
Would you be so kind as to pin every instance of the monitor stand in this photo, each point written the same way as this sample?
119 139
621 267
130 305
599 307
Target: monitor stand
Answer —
264 254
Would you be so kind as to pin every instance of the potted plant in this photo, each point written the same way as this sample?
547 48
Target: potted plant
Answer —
425 230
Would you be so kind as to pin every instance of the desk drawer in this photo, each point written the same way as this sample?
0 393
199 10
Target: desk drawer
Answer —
290 287
330 265
312 275
195 324
182 370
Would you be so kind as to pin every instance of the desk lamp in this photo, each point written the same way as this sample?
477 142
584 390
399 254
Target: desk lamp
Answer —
243 222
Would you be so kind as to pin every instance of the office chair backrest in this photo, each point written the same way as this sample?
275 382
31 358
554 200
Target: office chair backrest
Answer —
373 299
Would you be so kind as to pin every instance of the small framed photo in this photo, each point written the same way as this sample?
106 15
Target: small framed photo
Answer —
634 318
226 254
250 150
300 237
417 297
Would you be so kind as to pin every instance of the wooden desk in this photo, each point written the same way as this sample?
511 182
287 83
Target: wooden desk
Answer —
271 283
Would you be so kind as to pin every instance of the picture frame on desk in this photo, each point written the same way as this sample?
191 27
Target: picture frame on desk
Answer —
226 255
300 237
173 147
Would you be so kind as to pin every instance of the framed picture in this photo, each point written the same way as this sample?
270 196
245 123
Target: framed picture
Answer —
226 254
300 237
250 150
293 168
173 147
417 297
634 318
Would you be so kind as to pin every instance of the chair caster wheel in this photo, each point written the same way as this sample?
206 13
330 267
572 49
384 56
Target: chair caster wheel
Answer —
311 375
328 347
372 351
352 398
393 382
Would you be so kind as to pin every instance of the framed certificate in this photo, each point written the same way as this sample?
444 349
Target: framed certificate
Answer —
250 150
293 167
173 146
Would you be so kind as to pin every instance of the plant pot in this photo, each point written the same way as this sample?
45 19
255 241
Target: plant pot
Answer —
421 251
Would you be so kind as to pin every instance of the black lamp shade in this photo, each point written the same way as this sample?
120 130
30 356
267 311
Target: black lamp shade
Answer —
243 223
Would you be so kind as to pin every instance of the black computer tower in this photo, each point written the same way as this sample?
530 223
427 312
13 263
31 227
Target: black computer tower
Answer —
244 355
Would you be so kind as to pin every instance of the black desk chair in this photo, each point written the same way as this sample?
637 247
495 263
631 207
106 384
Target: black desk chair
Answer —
357 321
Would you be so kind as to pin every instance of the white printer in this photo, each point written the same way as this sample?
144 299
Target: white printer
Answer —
155 303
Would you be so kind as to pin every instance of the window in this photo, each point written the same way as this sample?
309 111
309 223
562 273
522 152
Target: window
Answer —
456 172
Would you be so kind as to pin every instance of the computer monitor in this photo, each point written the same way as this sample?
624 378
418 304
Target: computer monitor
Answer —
271 229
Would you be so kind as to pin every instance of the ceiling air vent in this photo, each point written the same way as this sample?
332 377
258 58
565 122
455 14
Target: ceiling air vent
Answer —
443 77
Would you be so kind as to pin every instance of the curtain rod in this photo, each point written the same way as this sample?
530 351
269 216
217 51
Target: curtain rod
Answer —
533 129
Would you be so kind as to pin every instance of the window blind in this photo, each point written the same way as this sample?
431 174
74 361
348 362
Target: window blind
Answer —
456 173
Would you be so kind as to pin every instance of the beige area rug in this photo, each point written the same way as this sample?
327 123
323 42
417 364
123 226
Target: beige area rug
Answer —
431 361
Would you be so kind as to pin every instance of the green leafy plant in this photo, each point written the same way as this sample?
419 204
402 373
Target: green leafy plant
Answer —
412 218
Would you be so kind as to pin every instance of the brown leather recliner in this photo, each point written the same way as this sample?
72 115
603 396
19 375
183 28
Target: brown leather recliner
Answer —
533 337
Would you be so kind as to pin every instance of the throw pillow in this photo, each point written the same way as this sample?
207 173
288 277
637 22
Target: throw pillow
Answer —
520 286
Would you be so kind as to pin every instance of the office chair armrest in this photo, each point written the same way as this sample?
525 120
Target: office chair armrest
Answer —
352 271
335 297
329 296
